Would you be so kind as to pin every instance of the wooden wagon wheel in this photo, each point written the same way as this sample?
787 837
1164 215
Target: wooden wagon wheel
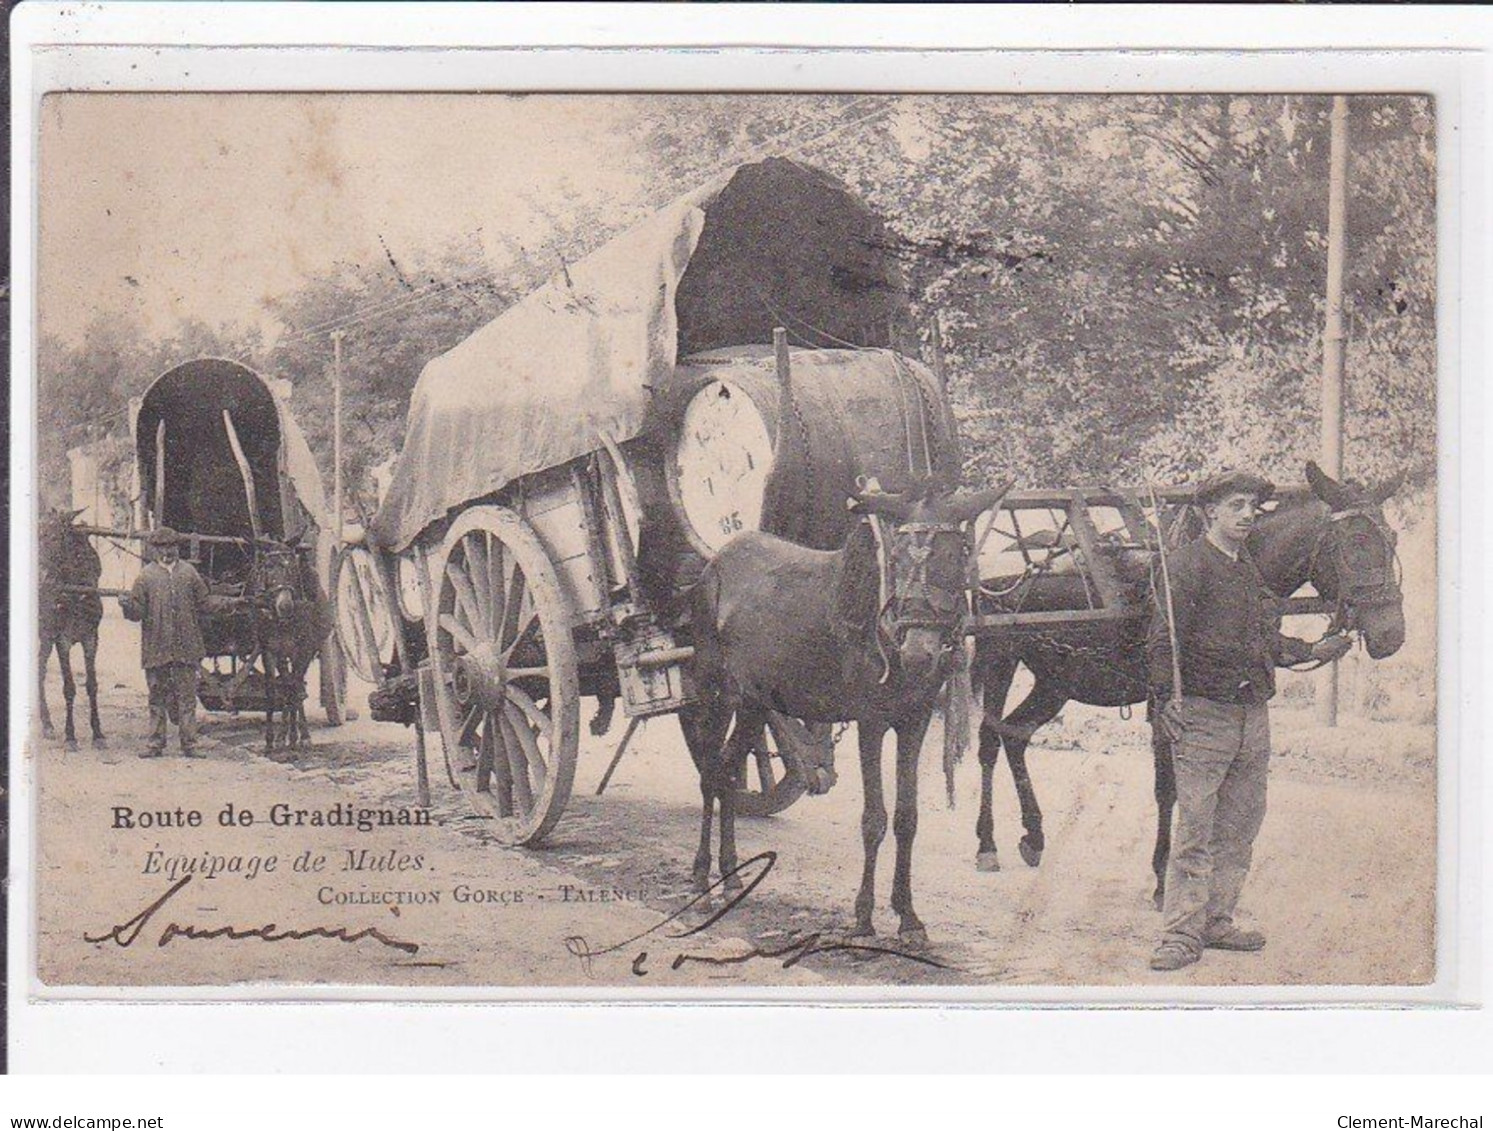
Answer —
509 675
774 776
360 610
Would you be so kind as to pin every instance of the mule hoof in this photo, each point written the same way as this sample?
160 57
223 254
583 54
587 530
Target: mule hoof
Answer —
1158 899
1030 854
863 930
987 862
49 731
100 742
70 744
913 934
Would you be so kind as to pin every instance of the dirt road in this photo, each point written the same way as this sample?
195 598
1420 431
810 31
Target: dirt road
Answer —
1343 883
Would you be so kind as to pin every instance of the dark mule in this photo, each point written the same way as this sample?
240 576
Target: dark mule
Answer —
865 633
293 619
1336 538
68 615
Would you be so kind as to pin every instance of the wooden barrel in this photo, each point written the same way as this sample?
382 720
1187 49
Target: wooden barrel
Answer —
744 457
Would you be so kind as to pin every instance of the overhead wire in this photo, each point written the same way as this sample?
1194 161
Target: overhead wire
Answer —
360 314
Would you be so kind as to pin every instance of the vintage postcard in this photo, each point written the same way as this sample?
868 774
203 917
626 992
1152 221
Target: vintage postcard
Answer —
922 545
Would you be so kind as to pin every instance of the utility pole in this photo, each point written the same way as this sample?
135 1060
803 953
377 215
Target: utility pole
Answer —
333 666
1332 348
337 436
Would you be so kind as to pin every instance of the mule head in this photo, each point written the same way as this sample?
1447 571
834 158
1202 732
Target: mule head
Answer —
923 554
1354 562
62 548
279 576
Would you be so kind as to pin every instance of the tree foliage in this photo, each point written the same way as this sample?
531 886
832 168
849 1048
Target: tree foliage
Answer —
1127 287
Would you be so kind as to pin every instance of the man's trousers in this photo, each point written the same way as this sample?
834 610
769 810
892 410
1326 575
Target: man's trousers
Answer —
173 698
1220 764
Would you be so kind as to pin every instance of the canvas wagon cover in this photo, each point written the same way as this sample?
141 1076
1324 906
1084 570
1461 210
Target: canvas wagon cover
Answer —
775 243
205 492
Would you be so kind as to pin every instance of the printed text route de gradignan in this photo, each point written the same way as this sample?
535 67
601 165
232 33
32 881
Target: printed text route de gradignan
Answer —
280 816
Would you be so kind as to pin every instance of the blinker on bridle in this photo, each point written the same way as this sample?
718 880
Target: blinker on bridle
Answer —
903 567
1357 587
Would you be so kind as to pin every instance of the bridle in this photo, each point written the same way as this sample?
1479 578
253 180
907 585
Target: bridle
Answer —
277 594
908 598
1358 586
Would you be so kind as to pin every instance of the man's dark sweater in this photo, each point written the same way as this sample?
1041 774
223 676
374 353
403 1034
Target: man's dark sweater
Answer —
1228 629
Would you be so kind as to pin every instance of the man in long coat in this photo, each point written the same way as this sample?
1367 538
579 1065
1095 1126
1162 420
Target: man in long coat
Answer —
169 599
1226 623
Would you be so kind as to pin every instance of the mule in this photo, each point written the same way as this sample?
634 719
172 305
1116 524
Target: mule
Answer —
865 633
69 614
1336 538
293 620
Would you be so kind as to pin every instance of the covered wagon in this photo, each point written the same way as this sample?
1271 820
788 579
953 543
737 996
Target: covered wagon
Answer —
729 364
221 460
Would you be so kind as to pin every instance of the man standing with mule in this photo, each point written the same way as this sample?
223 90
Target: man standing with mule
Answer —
169 599
1216 630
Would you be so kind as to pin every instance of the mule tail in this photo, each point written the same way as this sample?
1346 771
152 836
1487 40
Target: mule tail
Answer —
956 718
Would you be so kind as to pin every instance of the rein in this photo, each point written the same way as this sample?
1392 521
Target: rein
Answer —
1379 591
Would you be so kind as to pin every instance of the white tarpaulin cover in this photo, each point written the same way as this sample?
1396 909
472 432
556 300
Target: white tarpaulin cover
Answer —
775 243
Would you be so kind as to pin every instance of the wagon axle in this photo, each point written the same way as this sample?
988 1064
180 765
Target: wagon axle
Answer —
478 677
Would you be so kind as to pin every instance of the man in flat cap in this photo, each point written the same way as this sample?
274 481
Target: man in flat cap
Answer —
169 599
1226 623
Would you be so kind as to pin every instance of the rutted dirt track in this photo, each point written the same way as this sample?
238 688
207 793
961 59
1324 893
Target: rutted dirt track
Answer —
1343 884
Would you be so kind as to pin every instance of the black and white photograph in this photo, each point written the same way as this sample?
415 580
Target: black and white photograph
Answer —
736 542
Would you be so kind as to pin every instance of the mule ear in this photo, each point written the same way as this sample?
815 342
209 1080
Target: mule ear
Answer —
895 507
72 516
1388 488
1325 487
962 508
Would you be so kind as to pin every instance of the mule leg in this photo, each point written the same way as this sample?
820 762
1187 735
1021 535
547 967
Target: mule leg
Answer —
69 690
1036 711
271 698
300 711
1166 800
295 691
704 729
997 684
905 827
873 823
90 682
750 725
47 729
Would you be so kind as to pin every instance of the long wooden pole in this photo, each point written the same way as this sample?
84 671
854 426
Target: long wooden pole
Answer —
337 435
1333 347
246 473
160 517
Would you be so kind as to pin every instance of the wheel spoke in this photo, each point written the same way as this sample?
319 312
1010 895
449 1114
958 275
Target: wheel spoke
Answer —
468 732
477 557
523 637
523 795
519 730
494 585
466 597
529 673
501 770
484 754
537 718
368 649
467 641
515 605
